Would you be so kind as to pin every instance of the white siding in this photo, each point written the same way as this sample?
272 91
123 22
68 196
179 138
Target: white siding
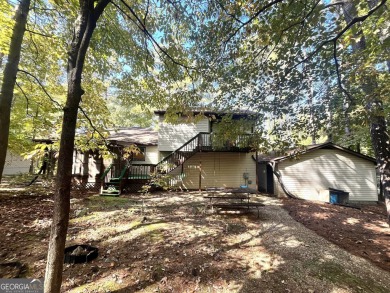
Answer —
15 164
173 136
219 169
151 156
93 167
316 171
78 163
85 164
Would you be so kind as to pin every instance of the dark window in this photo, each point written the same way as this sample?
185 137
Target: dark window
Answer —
141 155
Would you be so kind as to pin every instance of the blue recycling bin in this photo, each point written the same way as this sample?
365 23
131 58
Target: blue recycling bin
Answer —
333 198
337 196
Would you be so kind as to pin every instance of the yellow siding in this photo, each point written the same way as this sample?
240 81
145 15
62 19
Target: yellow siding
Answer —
219 169
316 171
173 136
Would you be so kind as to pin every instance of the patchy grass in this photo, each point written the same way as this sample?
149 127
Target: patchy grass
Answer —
170 242
338 275
106 203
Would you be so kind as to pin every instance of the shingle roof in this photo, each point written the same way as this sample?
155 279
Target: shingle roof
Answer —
209 112
310 148
133 135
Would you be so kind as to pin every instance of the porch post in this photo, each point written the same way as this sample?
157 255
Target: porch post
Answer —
200 175
257 171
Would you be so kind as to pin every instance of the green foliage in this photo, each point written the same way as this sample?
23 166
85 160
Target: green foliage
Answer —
243 54
229 131
158 181
129 151
280 61
124 114
6 24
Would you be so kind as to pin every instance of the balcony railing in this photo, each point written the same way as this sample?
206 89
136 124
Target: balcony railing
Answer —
141 171
203 142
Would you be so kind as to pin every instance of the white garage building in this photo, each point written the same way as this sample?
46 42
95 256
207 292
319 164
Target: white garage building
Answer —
318 171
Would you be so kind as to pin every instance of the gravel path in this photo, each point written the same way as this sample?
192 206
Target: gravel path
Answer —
306 262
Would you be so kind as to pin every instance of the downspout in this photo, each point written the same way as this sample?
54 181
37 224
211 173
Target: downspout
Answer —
257 171
279 176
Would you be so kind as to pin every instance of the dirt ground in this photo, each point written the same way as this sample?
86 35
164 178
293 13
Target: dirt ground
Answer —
170 242
362 232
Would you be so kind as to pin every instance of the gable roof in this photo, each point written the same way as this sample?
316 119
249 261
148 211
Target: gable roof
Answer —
311 148
236 114
133 135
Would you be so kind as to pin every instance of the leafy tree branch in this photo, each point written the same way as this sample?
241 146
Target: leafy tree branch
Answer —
92 125
143 28
254 16
40 34
43 88
339 81
25 96
338 35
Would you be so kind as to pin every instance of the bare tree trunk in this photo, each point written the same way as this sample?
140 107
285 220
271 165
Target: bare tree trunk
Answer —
1 59
9 77
313 126
83 30
374 107
380 143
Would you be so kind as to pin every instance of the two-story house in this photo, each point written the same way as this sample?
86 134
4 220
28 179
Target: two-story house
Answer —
195 155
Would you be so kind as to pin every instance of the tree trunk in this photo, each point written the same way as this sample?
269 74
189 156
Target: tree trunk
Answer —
9 77
374 108
380 143
1 59
82 34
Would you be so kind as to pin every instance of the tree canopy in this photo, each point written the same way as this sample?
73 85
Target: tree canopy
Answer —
294 61
310 68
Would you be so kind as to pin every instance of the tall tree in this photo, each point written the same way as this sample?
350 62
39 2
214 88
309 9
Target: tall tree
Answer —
9 77
88 15
272 53
149 67
373 102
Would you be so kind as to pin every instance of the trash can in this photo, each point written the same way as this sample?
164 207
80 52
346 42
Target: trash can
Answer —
333 198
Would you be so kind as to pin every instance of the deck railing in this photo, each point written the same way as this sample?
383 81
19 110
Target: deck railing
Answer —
141 171
203 142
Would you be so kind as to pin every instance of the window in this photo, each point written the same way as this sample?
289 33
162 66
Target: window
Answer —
141 155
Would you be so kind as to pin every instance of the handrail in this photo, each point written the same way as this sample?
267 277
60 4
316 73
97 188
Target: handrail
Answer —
106 171
202 141
123 172
183 146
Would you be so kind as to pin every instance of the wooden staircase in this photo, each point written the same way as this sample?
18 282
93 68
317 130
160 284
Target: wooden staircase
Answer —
114 186
182 154
202 142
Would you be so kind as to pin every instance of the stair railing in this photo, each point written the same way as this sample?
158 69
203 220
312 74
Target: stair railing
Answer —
124 171
106 172
203 141
103 177
187 150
